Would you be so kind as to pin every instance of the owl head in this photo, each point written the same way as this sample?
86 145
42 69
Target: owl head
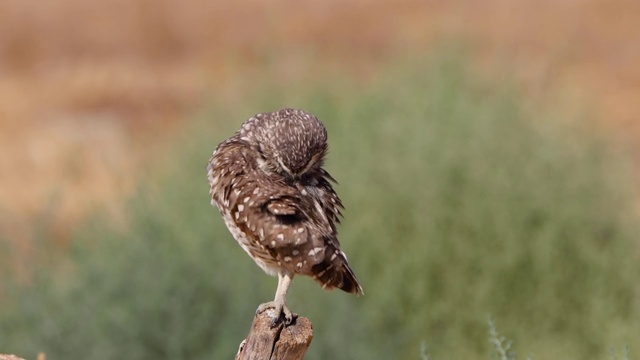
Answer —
290 142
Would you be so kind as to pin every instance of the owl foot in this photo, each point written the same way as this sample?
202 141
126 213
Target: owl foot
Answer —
281 313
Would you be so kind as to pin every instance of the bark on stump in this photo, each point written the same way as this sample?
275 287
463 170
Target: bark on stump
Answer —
41 356
280 343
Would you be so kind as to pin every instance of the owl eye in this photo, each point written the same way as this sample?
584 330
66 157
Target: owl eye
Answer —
309 179
305 179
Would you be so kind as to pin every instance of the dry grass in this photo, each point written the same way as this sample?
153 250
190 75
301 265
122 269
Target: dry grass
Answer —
90 90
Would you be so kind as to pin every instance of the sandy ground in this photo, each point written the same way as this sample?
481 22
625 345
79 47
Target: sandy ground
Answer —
88 90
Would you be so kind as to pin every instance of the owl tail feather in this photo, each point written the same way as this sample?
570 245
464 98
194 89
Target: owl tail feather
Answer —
350 283
337 274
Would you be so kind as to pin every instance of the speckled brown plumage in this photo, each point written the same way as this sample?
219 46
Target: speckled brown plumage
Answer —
276 199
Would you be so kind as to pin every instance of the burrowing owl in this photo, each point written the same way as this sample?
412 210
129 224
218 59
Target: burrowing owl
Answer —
276 199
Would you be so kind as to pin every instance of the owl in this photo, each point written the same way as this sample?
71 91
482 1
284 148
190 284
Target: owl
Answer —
278 202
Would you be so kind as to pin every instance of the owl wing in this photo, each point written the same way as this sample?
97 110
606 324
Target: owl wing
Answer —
308 239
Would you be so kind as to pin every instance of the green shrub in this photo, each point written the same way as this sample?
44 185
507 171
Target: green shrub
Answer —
458 202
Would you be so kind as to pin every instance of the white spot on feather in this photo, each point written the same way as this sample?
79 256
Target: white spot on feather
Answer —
315 251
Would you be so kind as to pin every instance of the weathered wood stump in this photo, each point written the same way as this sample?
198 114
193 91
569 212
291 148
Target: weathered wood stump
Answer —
279 343
41 356
9 357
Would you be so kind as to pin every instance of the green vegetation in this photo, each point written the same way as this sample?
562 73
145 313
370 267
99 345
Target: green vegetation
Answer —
459 203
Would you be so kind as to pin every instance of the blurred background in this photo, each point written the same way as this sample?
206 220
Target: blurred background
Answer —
486 151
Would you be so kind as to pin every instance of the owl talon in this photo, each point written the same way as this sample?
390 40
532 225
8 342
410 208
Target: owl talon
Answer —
281 313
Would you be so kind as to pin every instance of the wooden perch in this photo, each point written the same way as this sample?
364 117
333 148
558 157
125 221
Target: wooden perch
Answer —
41 356
9 357
279 343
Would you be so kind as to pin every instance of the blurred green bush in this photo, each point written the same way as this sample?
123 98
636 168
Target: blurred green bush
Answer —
460 203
